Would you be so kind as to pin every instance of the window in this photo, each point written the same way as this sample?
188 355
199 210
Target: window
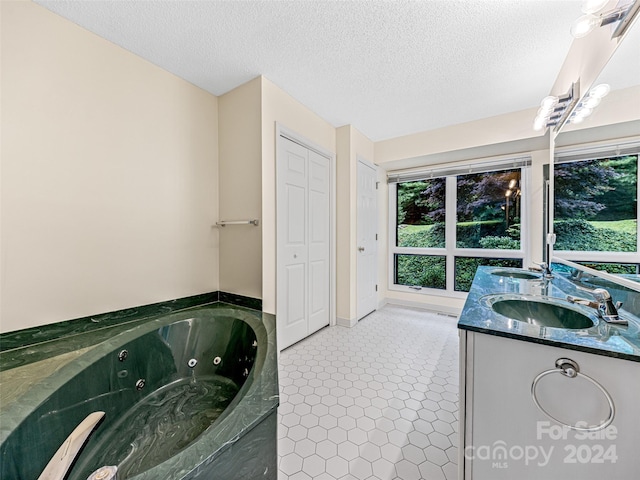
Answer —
447 225
596 211
488 210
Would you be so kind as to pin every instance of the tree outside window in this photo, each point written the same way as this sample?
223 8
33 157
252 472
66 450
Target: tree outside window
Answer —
596 205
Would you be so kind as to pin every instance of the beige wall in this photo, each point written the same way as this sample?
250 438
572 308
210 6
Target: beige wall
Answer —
109 176
345 227
512 130
279 107
240 189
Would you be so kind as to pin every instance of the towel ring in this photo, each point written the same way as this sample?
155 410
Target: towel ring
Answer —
570 369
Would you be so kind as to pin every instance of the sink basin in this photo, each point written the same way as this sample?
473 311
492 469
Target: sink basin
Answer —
519 274
541 311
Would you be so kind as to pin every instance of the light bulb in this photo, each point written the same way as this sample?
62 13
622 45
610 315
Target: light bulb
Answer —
583 112
593 6
599 91
539 123
591 102
577 119
512 183
584 25
549 102
542 112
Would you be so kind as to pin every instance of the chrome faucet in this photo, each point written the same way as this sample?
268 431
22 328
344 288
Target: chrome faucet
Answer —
545 268
607 310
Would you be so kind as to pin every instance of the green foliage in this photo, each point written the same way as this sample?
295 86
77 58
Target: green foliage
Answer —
466 269
490 235
435 237
481 196
597 189
500 243
421 203
621 201
615 268
426 237
580 235
421 270
469 234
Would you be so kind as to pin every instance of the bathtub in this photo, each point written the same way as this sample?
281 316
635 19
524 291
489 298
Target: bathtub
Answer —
191 395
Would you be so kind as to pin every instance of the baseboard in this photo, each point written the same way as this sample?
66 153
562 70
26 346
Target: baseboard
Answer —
241 300
442 309
345 322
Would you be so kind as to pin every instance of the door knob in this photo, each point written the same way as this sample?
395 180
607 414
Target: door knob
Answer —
361 249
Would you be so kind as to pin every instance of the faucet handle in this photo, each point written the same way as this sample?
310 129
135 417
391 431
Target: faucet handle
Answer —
582 301
601 294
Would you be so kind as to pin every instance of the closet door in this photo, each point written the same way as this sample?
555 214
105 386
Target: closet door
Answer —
303 237
319 247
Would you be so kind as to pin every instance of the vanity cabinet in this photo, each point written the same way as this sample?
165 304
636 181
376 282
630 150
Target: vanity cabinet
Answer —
505 435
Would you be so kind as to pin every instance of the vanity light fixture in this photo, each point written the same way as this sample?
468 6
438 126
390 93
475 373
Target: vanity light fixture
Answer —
624 13
553 111
590 101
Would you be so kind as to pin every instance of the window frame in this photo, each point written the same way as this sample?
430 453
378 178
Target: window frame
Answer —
451 251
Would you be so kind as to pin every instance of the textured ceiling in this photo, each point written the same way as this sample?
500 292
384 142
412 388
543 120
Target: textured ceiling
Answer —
389 68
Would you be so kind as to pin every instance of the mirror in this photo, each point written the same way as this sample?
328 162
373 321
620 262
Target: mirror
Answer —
611 217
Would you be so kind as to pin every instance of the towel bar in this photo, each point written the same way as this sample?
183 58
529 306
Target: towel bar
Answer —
223 223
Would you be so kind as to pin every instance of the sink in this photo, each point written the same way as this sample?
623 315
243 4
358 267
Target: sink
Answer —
519 274
540 311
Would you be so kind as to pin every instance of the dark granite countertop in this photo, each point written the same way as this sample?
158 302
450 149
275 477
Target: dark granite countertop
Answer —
602 338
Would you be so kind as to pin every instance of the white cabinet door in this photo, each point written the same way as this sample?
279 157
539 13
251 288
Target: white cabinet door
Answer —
303 237
509 437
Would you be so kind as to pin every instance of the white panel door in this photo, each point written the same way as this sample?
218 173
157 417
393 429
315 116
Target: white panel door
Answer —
367 221
303 238
292 273
319 241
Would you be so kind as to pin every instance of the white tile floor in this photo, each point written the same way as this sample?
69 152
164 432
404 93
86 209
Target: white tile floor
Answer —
376 401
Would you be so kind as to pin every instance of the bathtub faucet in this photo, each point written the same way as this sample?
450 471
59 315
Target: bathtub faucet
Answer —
62 460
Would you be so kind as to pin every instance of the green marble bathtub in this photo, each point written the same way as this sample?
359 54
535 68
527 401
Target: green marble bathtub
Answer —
208 403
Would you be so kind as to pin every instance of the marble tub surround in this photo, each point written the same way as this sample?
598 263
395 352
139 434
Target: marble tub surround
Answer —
30 345
66 328
603 339
243 433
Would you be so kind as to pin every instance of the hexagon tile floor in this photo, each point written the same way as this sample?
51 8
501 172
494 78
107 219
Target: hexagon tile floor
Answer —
376 401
